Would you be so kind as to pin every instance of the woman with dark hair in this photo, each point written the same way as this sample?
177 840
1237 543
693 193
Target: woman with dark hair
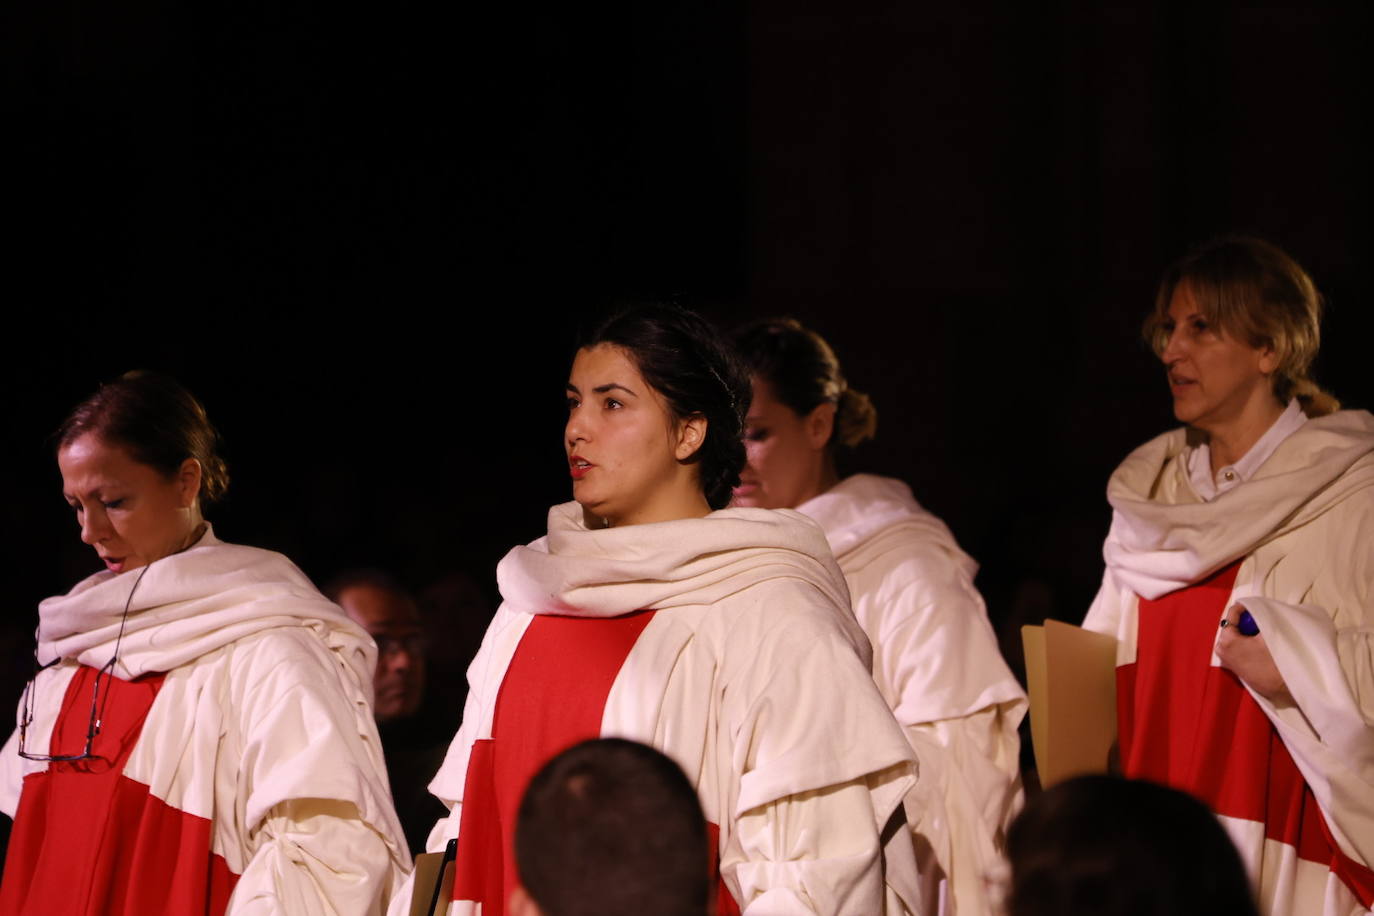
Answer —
1239 582
198 736
1122 847
719 636
935 657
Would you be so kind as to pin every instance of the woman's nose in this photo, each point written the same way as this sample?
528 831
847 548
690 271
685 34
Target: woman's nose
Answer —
1173 346
92 527
575 431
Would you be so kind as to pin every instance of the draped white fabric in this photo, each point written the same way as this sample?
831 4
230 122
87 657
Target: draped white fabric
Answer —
938 666
1302 527
750 676
263 724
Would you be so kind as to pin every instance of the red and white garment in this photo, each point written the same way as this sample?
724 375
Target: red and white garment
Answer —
1293 783
937 664
724 641
237 768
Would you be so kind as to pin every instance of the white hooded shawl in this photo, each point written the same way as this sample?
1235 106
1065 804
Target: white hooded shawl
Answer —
1303 527
263 724
753 676
938 666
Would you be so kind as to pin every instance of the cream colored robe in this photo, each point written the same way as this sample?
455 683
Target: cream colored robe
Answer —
937 664
752 676
263 724
1304 526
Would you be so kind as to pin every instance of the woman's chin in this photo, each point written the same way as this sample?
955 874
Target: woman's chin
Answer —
593 513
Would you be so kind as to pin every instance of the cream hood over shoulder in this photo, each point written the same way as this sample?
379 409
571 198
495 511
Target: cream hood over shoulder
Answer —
1164 537
189 604
858 507
608 572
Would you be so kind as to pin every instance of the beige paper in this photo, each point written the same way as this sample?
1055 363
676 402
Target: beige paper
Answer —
427 876
1071 676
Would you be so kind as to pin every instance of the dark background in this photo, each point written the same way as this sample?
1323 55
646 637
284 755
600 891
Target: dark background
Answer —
366 238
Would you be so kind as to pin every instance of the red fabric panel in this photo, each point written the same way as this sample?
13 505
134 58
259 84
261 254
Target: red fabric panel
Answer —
1188 724
1357 877
725 901
478 866
553 696
89 840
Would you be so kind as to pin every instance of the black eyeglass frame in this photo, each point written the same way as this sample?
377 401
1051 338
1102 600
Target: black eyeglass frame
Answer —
92 729
97 707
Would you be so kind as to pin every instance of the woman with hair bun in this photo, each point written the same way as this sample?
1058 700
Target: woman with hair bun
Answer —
198 734
935 656
719 636
1240 582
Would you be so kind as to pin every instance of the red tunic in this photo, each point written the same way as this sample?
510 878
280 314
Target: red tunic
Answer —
552 697
89 840
1188 724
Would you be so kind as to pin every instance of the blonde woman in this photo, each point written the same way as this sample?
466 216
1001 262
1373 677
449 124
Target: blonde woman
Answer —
1239 582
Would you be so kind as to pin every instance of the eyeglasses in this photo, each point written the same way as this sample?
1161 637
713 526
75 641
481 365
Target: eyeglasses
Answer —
92 728
97 704
413 644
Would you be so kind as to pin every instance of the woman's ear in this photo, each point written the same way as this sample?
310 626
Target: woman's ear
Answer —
820 424
1268 359
188 482
691 436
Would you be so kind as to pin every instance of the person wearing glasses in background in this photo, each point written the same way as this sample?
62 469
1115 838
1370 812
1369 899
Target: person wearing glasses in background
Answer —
198 736
415 731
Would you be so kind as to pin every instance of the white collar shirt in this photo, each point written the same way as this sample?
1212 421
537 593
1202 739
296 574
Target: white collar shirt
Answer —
1210 486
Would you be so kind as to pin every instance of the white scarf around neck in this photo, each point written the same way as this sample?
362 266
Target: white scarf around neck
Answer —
1162 539
608 572
188 604
862 506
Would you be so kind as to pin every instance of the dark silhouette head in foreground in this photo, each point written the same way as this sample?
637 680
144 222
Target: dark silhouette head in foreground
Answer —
612 828
1118 847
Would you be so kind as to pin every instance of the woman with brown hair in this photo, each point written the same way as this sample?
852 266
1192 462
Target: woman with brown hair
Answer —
719 636
1239 579
198 736
935 657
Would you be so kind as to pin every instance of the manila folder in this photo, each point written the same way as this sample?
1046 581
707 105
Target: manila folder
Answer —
1071 674
432 887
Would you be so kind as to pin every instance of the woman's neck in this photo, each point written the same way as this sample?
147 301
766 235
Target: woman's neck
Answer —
1228 444
824 481
667 507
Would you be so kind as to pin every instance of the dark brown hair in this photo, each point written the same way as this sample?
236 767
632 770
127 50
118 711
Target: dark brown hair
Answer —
805 373
1253 291
613 828
687 361
158 421
1122 847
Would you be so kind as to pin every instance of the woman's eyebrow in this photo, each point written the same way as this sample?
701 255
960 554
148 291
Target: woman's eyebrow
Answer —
612 386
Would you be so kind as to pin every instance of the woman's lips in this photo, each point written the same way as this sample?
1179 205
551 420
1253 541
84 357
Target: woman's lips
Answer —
114 564
579 466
